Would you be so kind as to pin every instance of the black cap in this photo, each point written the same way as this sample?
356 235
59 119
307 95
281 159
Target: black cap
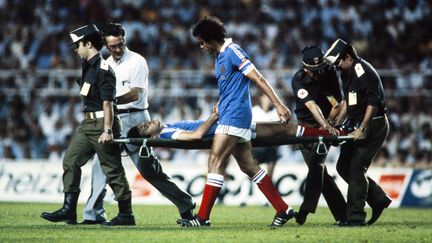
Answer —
313 58
335 51
81 32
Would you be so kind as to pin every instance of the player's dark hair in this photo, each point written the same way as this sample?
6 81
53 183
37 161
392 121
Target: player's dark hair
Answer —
210 28
114 29
134 133
96 38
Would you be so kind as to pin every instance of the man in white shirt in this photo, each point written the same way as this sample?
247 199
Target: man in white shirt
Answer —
131 72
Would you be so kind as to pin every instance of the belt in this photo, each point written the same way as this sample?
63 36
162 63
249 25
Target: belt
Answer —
122 111
359 120
378 117
90 115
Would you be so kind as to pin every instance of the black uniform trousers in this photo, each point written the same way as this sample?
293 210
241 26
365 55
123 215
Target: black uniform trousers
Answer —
319 180
353 163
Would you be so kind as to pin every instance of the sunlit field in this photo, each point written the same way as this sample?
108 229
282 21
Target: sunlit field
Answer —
20 222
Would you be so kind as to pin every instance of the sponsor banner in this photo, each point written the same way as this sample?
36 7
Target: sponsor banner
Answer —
36 181
394 181
40 181
419 191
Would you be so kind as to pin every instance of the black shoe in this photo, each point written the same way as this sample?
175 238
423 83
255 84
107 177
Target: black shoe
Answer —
378 209
300 217
60 215
121 220
339 222
186 215
67 213
280 219
195 222
89 222
352 223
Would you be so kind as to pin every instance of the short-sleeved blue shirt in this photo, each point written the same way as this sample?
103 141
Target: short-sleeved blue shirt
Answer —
170 129
231 65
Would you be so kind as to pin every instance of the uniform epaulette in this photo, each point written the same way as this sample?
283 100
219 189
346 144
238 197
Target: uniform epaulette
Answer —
104 65
359 70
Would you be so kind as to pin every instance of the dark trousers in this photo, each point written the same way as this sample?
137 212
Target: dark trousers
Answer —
151 169
353 163
318 180
84 144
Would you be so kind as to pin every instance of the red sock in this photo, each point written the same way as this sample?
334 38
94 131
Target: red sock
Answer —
211 190
266 186
304 131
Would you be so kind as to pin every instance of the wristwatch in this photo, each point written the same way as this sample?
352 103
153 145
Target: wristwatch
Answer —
108 131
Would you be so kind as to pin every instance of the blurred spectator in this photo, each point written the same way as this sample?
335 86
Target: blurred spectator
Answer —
38 143
162 26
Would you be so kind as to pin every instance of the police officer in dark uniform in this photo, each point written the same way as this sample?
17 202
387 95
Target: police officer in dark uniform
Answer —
318 96
366 120
96 132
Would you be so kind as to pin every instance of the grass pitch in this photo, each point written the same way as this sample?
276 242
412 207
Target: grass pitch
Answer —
20 222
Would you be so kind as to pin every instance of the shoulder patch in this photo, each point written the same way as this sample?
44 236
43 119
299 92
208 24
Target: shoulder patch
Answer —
302 93
359 70
104 65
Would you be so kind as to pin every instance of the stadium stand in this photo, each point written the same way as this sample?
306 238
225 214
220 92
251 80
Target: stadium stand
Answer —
39 103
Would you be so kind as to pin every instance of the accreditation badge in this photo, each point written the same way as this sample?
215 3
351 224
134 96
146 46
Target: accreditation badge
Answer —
352 98
85 89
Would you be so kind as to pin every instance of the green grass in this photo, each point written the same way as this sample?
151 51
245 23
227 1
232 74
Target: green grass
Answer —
20 222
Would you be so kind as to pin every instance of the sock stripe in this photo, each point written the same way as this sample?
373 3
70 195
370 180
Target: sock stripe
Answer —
300 130
215 180
214 184
259 176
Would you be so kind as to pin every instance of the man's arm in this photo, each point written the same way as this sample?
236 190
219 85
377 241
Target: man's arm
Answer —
200 132
360 132
342 114
108 110
333 113
319 117
283 111
130 96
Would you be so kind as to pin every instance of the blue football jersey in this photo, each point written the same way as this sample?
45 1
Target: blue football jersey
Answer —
231 66
170 129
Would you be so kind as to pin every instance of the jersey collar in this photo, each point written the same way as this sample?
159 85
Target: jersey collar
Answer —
227 42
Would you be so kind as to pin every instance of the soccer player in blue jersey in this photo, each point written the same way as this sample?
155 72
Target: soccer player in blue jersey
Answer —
234 72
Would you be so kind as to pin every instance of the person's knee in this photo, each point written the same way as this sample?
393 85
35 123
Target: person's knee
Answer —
342 170
316 165
216 164
149 168
357 172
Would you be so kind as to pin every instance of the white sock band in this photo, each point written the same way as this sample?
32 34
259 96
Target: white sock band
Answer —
215 180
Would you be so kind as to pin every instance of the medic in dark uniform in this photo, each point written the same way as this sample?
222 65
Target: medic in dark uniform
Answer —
318 96
364 116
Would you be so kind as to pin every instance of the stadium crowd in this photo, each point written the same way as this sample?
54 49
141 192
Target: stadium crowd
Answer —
391 34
